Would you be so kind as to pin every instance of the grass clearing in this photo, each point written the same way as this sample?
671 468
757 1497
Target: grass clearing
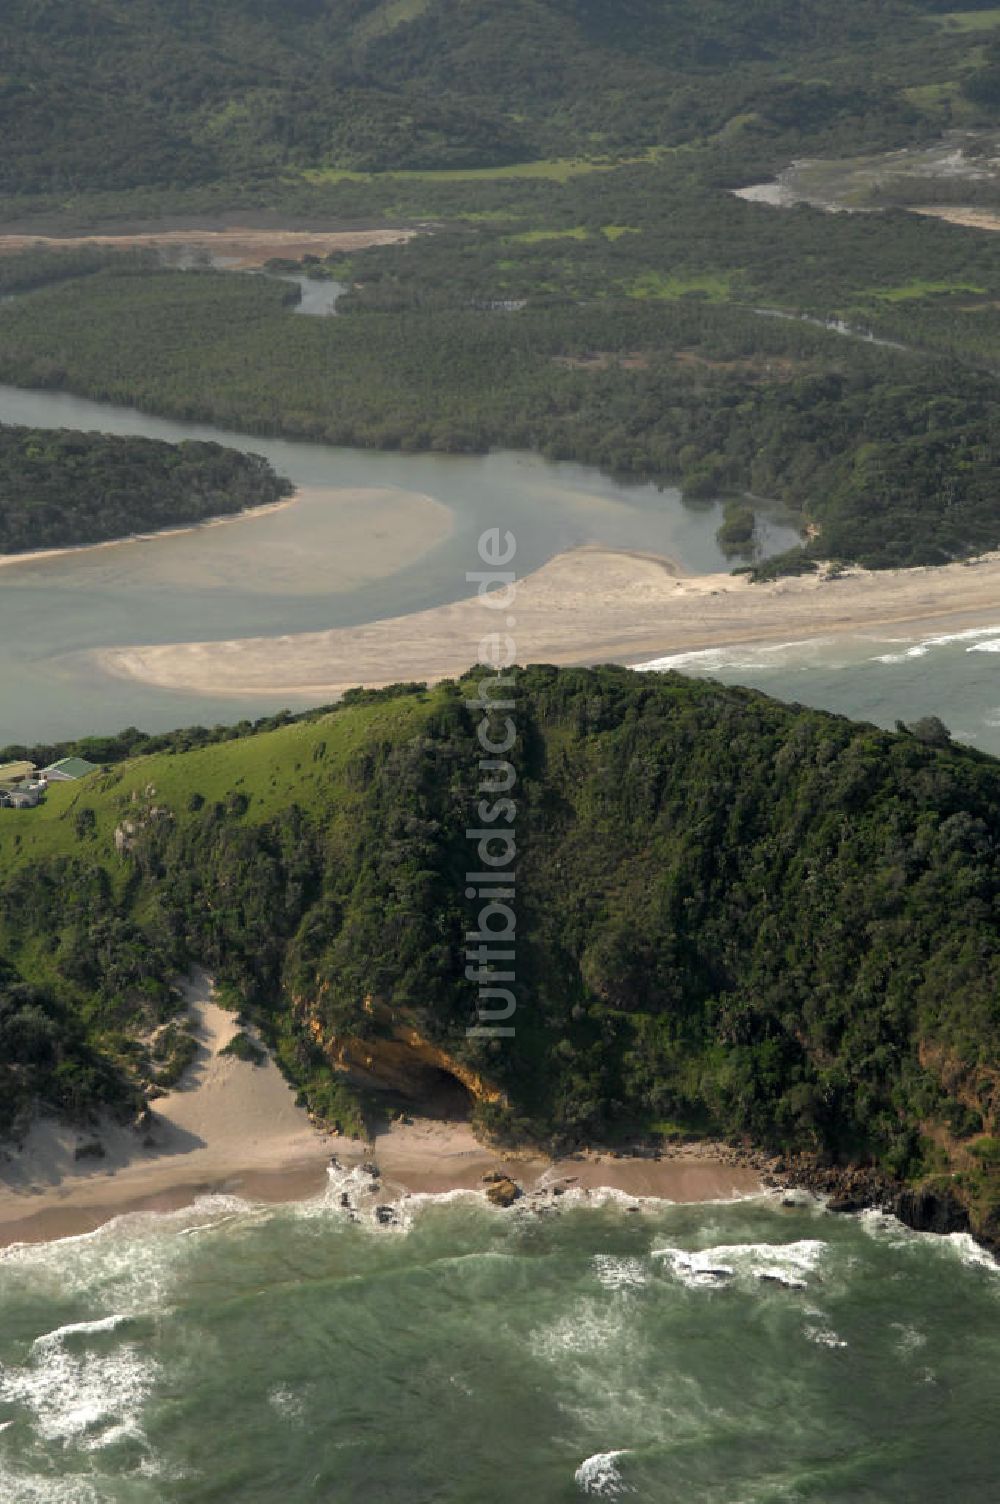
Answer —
293 765
910 292
535 237
716 287
553 169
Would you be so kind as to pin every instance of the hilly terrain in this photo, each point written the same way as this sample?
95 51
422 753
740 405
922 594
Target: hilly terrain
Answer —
109 95
585 285
733 918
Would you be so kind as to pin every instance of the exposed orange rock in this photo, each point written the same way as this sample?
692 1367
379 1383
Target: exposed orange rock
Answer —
400 1060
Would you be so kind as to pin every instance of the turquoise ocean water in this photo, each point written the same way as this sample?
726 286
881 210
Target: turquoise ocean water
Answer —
739 1353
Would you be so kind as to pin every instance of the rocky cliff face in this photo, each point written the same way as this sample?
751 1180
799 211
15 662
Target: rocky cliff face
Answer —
399 1060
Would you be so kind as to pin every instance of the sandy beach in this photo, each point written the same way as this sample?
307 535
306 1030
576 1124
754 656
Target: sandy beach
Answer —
590 605
234 1127
241 248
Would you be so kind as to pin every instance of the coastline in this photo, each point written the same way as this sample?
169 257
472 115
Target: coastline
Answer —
588 605
232 1127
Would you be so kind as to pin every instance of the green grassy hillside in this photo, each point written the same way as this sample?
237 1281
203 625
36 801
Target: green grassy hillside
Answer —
733 917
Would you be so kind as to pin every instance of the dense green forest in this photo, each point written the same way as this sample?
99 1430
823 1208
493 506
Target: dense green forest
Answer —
234 92
733 916
573 156
893 454
61 488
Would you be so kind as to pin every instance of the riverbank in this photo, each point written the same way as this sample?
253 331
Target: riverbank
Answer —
234 1127
35 555
590 605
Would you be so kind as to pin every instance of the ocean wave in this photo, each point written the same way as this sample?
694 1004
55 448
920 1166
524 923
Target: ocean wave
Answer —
90 1398
353 1195
599 1477
81 1328
787 1264
718 660
945 639
992 646
886 1228
969 1251
287 1403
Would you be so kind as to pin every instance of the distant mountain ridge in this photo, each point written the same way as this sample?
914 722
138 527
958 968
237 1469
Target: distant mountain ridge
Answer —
100 94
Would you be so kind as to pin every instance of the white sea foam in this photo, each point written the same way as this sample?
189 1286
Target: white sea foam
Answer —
588 1328
824 1336
619 1273
970 1253
993 646
598 1476
747 656
888 1229
786 1264
90 1397
945 639
287 1403
22 1488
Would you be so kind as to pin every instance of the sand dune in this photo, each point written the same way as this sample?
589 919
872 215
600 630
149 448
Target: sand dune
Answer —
227 1119
591 605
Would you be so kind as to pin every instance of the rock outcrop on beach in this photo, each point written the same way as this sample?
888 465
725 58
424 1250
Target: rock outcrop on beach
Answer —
501 1190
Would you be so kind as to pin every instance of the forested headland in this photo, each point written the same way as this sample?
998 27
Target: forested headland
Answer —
734 918
60 488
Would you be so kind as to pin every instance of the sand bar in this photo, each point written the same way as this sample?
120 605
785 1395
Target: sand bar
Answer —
33 555
590 605
368 532
241 248
232 1126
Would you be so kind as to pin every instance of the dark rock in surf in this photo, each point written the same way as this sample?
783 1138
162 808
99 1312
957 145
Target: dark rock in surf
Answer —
928 1209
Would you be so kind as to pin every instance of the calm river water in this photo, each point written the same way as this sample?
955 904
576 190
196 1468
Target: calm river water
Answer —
278 573
263 575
